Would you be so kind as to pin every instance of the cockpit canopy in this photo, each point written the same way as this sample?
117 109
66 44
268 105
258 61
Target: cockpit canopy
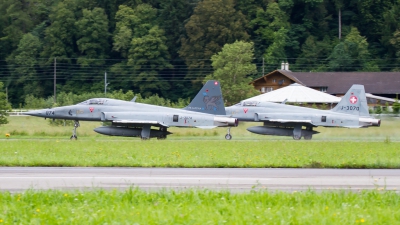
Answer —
94 101
250 103
247 103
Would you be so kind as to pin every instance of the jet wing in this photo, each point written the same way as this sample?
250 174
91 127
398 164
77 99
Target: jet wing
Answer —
284 118
290 121
206 127
352 126
149 122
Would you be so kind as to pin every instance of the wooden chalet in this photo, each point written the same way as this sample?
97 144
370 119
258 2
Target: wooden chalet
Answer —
379 84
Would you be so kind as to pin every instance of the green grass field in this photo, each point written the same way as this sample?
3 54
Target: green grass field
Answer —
44 145
34 142
134 206
199 153
21 127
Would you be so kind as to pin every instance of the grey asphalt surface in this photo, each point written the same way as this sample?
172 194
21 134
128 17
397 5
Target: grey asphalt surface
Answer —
17 179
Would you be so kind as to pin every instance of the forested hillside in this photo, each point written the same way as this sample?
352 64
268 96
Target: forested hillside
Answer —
164 47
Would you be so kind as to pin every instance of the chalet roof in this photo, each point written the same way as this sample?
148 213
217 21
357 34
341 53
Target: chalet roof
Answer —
288 74
296 93
368 95
340 82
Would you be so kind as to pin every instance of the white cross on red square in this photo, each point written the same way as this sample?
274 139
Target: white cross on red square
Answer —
353 99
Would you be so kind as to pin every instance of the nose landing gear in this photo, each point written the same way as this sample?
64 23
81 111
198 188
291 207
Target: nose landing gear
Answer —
76 125
228 136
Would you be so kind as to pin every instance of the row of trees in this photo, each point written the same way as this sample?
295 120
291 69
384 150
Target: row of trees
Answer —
166 47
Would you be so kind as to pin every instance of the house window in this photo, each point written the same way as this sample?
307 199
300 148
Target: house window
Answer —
262 90
274 80
371 101
323 89
268 89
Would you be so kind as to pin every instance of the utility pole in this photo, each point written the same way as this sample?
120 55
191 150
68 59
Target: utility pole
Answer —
263 68
105 84
340 24
55 77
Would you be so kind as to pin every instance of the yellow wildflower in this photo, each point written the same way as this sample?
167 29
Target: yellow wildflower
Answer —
37 210
1 220
326 208
7 135
65 195
362 220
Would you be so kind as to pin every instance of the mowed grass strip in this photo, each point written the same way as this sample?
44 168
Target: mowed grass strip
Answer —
27 127
134 206
199 153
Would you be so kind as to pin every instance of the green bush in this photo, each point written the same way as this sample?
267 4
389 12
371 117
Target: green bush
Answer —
396 106
378 109
314 106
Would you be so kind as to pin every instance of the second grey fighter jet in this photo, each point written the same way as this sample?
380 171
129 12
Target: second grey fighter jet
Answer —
288 120
134 119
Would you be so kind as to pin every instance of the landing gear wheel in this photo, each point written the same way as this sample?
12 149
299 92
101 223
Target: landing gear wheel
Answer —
296 137
162 136
144 138
308 137
228 136
73 137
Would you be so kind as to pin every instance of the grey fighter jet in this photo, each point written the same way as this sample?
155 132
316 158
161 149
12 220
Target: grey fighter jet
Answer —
288 120
132 119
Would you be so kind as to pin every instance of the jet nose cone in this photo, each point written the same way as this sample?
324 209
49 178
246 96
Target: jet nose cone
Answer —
35 113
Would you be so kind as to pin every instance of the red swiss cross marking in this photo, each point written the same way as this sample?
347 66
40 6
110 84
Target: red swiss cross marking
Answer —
353 99
91 109
245 110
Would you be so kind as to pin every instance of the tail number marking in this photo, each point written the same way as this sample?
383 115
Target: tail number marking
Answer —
48 113
351 108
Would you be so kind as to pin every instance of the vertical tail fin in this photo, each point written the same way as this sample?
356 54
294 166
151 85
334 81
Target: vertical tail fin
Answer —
354 102
208 100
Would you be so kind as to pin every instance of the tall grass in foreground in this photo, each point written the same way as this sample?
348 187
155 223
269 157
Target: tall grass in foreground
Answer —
134 206
34 127
200 153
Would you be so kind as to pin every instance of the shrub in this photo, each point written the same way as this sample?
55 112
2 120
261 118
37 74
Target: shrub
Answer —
378 109
396 106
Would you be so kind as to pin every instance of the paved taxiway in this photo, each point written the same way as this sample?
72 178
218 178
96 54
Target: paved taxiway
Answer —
16 179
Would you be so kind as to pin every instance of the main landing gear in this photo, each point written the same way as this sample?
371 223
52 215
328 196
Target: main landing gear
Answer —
162 136
308 136
228 136
145 134
298 133
76 125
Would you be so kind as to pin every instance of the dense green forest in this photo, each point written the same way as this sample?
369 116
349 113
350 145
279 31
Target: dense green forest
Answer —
165 47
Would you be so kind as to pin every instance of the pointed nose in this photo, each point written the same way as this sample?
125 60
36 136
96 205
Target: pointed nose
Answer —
40 113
